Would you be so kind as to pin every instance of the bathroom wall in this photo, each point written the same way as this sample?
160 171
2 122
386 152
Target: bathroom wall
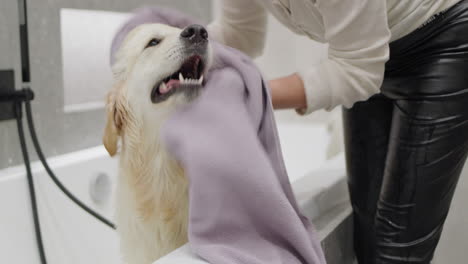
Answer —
59 132
9 58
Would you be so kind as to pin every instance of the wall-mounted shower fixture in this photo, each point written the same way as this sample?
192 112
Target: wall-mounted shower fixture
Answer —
7 86
11 107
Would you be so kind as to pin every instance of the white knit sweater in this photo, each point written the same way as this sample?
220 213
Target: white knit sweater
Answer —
358 33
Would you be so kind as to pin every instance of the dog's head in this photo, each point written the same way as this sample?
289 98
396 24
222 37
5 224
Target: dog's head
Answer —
157 69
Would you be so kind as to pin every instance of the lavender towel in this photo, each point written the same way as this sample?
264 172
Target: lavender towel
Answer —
242 208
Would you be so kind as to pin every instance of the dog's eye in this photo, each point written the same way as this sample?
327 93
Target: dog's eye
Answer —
153 42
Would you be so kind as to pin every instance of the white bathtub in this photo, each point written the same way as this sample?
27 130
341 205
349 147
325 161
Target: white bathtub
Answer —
72 236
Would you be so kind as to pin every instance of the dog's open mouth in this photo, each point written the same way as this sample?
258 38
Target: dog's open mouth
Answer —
190 74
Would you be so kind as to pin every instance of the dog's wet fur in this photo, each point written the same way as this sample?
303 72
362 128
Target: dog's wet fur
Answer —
158 68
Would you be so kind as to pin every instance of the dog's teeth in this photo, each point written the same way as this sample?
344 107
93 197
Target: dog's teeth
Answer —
163 88
200 80
181 77
190 81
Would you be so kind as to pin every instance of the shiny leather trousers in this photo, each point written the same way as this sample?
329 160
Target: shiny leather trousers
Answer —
406 147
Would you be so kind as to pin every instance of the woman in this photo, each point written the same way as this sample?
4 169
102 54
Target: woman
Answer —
399 69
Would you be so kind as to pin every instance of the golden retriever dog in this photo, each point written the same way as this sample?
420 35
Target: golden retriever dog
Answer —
158 68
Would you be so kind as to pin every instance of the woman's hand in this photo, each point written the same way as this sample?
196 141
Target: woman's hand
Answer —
288 92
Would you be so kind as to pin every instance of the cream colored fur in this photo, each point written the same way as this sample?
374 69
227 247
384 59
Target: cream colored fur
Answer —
152 192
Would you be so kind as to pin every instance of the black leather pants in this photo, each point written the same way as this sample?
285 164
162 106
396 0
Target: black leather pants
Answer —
406 147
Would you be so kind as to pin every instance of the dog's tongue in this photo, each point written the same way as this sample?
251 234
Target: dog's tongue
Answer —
169 86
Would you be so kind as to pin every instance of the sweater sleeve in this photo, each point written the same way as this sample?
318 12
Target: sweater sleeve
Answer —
358 35
241 25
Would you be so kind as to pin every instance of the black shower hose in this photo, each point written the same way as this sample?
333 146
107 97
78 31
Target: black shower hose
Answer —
58 183
32 192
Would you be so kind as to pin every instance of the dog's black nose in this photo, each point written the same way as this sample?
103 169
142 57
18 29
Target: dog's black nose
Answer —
194 33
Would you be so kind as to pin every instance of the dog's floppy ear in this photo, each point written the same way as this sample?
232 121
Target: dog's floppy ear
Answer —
115 119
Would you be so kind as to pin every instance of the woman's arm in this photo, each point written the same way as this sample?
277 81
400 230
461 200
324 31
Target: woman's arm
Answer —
358 36
241 25
288 92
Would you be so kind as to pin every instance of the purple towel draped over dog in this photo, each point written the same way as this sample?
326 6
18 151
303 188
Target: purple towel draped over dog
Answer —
242 208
